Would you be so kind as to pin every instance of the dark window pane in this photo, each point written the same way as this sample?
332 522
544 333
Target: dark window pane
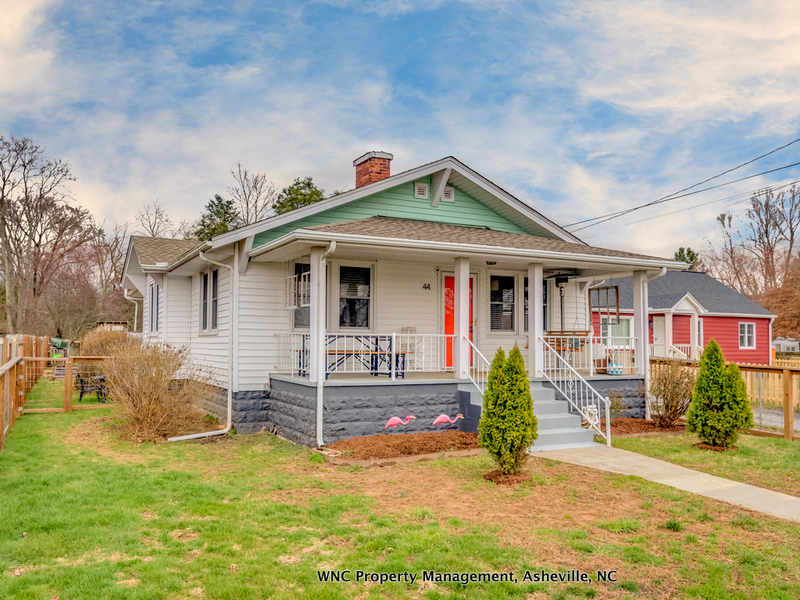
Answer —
501 299
353 312
204 304
214 297
354 282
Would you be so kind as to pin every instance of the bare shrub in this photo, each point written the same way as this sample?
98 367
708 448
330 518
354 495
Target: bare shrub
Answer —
616 406
102 342
155 389
671 386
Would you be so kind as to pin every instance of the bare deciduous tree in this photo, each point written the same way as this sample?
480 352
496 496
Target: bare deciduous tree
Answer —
152 220
253 194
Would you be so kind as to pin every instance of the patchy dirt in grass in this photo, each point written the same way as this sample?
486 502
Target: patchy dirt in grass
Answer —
405 444
704 446
497 477
628 426
184 535
96 434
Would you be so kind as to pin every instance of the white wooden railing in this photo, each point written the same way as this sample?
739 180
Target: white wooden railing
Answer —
577 391
392 354
678 351
479 368
596 355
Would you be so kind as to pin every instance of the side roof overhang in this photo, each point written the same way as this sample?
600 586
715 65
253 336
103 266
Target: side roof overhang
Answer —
446 170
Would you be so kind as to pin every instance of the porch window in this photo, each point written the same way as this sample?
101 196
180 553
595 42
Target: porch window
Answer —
354 297
154 294
209 300
747 335
302 315
501 303
544 304
621 330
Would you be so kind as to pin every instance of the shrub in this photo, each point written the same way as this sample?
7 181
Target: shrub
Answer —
719 408
508 427
616 406
154 388
671 387
102 342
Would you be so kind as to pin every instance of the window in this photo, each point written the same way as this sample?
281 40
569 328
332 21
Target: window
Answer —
302 314
700 333
209 300
501 303
354 297
154 294
620 330
544 304
747 335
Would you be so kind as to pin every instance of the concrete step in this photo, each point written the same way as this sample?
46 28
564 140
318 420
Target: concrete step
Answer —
558 421
566 436
537 448
549 407
539 392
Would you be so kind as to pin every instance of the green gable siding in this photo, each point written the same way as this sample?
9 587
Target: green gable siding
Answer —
399 202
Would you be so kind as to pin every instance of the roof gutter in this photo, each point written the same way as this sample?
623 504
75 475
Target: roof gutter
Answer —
317 237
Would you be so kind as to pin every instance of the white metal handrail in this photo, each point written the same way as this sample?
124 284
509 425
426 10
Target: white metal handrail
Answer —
582 396
479 368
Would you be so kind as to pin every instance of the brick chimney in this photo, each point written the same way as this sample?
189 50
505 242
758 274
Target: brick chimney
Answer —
372 167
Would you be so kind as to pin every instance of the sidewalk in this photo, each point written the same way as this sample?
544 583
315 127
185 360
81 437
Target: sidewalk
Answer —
625 462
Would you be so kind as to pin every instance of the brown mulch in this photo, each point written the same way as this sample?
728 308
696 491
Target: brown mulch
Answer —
704 446
624 426
405 444
500 479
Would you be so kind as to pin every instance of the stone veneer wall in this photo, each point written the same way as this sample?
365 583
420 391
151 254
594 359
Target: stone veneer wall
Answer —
629 387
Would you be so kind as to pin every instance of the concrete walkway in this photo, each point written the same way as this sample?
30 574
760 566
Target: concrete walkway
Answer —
616 460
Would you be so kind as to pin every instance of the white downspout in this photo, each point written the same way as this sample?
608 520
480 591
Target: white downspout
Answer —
322 366
135 309
661 273
231 300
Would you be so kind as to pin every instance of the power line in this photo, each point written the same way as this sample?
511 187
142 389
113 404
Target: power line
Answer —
670 196
610 216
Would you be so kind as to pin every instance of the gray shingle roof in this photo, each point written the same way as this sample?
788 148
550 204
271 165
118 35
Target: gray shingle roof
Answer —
152 250
664 292
409 229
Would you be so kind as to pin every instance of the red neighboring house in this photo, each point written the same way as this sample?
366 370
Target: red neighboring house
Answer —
686 309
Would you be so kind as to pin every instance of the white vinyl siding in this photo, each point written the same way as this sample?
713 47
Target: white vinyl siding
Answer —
212 350
575 308
177 309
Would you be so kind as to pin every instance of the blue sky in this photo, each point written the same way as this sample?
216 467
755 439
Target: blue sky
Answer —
579 108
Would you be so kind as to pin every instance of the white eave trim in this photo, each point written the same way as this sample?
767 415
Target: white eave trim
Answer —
388 183
740 315
324 237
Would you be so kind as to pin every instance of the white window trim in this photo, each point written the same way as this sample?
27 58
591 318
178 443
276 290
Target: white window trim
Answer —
621 318
292 270
154 298
209 331
739 333
335 297
519 307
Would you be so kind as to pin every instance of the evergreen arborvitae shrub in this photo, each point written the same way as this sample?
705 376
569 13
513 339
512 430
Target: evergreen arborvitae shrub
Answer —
719 408
508 427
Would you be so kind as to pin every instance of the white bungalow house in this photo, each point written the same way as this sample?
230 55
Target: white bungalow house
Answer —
392 299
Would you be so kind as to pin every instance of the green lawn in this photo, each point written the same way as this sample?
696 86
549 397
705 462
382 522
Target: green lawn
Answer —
85 516
50 394
772 463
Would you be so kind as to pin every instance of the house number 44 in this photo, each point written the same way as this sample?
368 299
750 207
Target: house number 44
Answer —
426 286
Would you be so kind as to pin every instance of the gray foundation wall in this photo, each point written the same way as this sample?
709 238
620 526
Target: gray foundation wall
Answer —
630 388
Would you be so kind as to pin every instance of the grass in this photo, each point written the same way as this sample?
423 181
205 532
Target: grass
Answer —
84 515
50 394
766 462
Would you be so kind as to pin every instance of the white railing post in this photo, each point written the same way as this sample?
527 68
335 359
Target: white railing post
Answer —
394 366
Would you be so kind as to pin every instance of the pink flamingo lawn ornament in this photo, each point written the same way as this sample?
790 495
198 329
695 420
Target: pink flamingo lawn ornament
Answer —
442 419
395 421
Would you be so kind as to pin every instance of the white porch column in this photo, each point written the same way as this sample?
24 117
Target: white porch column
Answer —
668 333
694 325
535 320
461 349
316 354
640 330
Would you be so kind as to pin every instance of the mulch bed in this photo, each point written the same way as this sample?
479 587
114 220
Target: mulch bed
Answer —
405 444
500 479
704 446
625 426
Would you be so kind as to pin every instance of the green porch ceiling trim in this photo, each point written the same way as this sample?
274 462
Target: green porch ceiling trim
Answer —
399 202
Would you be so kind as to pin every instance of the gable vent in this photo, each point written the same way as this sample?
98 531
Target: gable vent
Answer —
449 195
420 190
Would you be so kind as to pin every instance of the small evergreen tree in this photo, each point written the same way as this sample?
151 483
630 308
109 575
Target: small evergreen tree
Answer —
301 193
220 217
719 408
508 426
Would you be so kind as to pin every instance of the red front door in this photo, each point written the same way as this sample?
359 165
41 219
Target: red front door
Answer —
449 313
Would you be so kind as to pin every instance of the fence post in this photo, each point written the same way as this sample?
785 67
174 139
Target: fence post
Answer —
12 392
68 385
788 409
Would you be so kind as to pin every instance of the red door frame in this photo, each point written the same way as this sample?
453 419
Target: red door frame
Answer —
449 313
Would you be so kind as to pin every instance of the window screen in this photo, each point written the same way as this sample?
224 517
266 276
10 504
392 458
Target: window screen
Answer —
302 316
214 297
354 296
501 303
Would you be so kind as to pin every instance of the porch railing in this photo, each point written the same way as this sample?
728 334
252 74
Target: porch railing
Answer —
596 355
392 354
577 391
679 351
479 368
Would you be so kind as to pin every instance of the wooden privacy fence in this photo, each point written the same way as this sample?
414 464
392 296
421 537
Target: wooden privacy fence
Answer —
773 391
33 382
